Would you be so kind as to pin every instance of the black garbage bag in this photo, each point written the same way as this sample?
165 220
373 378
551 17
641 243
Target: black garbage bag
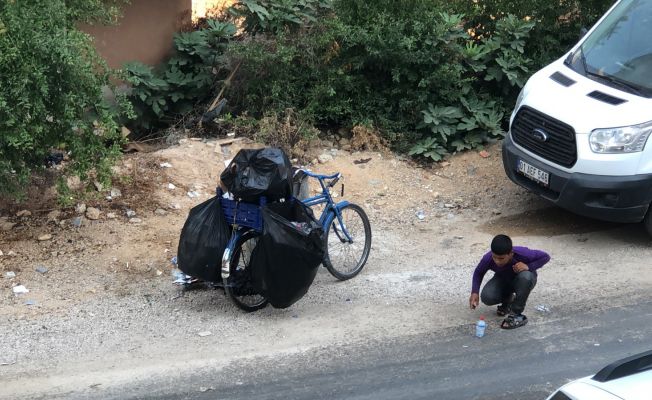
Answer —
285 260
300 184
259 172
203 239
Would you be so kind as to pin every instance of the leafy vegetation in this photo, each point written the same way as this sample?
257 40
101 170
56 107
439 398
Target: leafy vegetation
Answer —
160 95
432 76
51 91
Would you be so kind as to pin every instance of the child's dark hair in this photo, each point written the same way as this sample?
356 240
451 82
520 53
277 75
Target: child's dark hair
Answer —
501 245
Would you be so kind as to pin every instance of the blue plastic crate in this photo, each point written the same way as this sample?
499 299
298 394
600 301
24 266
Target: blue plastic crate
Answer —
242 214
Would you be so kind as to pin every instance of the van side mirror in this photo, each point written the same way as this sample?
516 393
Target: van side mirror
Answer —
583 32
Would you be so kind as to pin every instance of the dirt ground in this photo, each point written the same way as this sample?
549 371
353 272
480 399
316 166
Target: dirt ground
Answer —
102 309
115 255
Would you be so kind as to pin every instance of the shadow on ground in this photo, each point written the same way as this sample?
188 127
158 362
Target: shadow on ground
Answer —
554 221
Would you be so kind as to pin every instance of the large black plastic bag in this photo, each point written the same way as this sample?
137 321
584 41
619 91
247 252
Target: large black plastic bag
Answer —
285 260
259 172
203 239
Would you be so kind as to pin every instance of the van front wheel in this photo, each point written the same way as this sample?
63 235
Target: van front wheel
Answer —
647 221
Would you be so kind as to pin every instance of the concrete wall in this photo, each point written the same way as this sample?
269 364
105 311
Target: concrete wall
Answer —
144 33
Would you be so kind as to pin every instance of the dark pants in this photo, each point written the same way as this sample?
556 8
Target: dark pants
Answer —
499 290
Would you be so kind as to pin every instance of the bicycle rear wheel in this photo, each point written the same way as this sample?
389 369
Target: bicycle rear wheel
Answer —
238 286
345 259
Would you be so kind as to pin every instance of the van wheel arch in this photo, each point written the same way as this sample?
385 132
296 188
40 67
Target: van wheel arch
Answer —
647 221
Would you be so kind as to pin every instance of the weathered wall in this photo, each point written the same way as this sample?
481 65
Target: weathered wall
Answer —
144 33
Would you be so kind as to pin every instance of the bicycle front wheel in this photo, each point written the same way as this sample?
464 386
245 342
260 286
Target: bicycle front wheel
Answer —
345 258
238 286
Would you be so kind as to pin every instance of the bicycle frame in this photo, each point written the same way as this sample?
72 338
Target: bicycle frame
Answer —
332 209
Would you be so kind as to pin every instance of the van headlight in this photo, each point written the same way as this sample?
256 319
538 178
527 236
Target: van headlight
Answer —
629 139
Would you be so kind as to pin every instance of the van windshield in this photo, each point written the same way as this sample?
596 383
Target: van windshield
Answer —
619 51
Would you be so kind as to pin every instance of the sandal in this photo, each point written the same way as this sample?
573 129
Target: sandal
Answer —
514 321
501 311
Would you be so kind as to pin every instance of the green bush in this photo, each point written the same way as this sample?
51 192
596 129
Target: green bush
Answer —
558 23
160 95
393 65
51 90
432 76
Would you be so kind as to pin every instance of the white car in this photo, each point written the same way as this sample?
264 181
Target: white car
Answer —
580 128
627 379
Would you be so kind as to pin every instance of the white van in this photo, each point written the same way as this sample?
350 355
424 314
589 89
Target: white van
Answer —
579 132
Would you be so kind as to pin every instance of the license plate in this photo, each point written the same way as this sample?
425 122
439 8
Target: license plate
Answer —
533 173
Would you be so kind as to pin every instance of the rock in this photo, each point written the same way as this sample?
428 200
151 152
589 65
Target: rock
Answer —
324 158
314 161
1 253
497 212
111 215
98 186
41 269
192 194
160 211
125 131
11 253
73 182
5 225
10 275
77 222
448 205
44 237
24 213
130 213
346 147
166 165
171 186
80 208
205 333
115 193
175 207
135 220
93 213
20 289
54 215
484 154
458 200
344 141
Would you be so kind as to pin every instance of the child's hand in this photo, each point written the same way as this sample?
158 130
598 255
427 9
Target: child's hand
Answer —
520 267
474 300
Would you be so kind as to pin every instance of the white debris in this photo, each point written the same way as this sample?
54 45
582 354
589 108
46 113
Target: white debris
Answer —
20 289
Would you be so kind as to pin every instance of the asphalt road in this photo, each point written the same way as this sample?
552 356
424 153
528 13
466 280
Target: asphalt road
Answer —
526 363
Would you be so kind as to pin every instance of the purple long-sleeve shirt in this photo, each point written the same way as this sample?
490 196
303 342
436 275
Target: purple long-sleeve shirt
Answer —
534 259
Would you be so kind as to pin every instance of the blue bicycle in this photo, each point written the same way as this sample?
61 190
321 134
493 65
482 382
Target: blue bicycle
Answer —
347 240
347 228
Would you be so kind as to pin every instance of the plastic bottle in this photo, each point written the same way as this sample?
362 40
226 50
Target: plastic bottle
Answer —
480 327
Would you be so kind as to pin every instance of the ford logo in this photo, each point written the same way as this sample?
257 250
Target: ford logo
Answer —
540 135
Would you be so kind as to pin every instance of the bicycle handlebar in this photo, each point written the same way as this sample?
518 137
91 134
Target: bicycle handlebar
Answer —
319 176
